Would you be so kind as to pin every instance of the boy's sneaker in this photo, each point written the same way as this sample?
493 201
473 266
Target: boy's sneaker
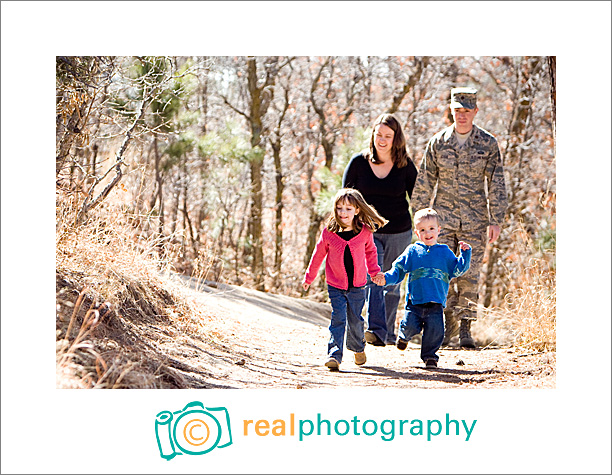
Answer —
431 364
360 358
372 339
332 364
401 344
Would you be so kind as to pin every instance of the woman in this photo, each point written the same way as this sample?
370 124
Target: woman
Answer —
385 176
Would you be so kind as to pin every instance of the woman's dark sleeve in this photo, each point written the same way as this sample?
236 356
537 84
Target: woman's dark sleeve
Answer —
349 179
411 176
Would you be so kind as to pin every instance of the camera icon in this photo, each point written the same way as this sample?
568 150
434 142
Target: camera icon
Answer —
194 430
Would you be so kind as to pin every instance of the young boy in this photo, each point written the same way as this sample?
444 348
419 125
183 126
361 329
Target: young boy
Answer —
430 266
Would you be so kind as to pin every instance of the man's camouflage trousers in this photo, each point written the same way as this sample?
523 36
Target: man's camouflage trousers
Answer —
463 291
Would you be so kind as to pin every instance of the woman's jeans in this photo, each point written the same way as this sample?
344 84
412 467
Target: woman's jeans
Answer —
429 318
346 312
383 301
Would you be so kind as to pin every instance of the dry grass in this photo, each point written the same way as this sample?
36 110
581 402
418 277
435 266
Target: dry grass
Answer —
528 317
533 308
117 317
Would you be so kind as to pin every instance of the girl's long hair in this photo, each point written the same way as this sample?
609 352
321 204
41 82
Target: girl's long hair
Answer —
367 215
399 154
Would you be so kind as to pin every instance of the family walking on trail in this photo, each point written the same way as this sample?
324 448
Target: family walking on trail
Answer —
458 197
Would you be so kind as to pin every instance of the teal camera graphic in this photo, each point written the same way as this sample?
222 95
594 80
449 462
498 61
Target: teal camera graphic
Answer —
194 430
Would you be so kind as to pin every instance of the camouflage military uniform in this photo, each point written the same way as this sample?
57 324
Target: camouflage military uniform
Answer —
465 175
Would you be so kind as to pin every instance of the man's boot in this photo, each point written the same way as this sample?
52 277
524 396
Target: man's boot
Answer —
465 337
451 328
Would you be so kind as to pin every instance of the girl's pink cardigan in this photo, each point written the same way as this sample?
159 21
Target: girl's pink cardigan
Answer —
331 245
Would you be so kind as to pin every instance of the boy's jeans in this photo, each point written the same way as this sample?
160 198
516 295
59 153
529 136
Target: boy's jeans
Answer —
346 309
383 301
429 318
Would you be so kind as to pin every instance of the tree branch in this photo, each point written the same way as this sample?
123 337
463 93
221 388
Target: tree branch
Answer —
90 203
227 103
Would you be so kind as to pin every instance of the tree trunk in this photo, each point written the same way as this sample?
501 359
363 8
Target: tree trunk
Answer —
552 72
173 215
193 236
71 130
280 188
278 224
260 97
313 234
315 223
204 101
256 227
160 198
328 150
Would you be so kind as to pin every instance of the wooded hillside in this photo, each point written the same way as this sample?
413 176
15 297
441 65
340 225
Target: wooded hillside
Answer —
227 163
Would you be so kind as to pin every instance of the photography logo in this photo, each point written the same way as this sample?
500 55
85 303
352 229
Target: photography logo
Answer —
195 430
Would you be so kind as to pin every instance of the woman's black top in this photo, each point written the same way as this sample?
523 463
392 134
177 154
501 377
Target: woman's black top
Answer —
387 195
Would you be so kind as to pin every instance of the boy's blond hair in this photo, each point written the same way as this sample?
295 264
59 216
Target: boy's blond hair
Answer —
426 213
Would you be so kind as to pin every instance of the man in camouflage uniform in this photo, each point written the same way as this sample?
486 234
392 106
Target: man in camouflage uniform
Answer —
464 162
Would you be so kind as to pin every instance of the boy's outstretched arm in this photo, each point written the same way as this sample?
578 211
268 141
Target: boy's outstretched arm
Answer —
398 270
463 261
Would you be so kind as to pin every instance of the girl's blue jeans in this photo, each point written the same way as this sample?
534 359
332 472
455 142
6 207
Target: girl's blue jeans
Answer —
429 319
346 318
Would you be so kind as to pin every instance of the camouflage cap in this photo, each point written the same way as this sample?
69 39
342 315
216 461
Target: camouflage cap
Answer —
463 97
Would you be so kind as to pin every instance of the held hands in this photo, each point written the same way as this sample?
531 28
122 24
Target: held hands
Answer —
379 279
464 246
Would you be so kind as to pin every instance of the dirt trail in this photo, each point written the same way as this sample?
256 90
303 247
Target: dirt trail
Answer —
272 341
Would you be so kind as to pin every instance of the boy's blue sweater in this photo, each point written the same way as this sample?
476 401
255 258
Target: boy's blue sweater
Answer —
430 270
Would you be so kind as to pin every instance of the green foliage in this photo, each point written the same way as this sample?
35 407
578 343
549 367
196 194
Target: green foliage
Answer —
229 144
225 153
152 67
359 141
256 154
330 184
164 110
546 241
144 74
186 119
184 144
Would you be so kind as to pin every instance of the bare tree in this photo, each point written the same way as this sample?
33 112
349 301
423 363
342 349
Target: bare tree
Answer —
260 93
333 92
421 63
276 144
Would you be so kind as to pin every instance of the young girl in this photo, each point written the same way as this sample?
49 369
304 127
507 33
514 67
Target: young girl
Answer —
348 244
